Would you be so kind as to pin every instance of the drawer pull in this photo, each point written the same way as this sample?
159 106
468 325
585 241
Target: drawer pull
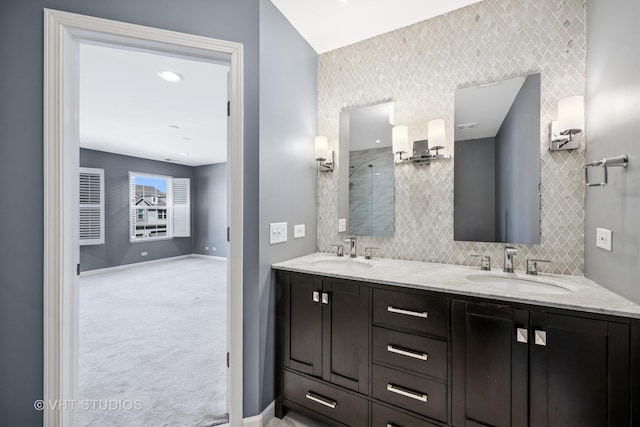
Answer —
422 314
392 425
407 393
408 353
318 399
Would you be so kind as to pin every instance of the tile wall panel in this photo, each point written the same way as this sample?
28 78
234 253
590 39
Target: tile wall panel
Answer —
419 68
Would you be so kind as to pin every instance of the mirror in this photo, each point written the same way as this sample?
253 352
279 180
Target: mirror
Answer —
366 187
497 162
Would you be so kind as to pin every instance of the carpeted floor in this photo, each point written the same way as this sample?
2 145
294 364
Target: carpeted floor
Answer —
153 345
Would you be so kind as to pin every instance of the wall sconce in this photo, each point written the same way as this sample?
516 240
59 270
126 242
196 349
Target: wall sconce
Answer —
435 142
570 122
400 143
324 156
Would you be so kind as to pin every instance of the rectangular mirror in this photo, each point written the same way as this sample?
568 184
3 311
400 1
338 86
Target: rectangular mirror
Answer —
497 162
366 186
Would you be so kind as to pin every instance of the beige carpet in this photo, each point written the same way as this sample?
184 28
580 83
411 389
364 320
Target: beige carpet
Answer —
153 345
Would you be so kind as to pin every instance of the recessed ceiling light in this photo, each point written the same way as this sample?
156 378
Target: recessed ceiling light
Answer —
169 76
377 141
184 154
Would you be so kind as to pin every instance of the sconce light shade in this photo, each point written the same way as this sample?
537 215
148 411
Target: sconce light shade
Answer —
322 147
400 140
435 129
571 115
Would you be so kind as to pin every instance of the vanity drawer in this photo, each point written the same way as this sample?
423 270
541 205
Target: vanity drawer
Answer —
381 416
417 394
414 311
326 400
426 356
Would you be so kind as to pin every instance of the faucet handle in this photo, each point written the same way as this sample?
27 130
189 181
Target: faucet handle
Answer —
350 239
510 250
485 261
532 265
367 252
339 249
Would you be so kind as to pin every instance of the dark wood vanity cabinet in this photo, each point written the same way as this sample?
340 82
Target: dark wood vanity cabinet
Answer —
519 367
359 354
324 326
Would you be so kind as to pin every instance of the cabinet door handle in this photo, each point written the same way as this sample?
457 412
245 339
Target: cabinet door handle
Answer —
321 400
316 296
408 353
422 314
392 425
407 393
540 338
522 335
325 298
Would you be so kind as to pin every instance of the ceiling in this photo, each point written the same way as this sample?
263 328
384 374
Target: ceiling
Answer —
331 24
126 108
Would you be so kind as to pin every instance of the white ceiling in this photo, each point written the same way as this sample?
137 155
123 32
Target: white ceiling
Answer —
331 24
485 105
126 108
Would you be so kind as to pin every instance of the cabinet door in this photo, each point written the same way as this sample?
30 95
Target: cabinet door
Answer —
303 324
490 365
579 372
345 335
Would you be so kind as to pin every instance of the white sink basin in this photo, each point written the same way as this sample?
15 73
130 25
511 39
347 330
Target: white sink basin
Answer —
521 284
343 263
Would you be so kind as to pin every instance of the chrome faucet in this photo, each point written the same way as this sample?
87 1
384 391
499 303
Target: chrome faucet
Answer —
352 251
509 252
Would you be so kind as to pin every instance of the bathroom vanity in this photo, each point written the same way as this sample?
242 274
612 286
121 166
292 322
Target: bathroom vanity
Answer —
402 343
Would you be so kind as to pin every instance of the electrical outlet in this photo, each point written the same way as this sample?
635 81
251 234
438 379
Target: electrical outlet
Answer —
342 225
144 253
604 239
206 248
298 231
213 249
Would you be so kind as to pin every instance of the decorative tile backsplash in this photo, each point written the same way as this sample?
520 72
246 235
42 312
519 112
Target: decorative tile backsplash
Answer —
419 68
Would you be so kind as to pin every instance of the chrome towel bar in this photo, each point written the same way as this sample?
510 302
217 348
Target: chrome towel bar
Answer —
606 163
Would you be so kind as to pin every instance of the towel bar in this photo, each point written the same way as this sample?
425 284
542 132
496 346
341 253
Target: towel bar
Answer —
605 163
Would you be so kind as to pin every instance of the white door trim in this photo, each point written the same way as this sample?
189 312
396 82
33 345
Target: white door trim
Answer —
62 32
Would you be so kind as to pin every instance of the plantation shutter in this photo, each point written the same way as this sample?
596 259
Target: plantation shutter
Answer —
132 206
91 206
181 207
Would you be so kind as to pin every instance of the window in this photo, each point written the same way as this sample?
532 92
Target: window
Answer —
160 207
91 206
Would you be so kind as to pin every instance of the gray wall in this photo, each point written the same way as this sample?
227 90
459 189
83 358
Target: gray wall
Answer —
210 209
288 124
117 249
21 158
474 198
613 128
518 168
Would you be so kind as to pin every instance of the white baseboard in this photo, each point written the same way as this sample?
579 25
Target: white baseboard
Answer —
219 258
263 418
134 264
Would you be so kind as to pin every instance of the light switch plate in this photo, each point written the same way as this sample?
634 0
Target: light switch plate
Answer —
298 231
603 239
342 225
277 232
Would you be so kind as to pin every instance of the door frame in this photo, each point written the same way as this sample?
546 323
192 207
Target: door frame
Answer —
63 31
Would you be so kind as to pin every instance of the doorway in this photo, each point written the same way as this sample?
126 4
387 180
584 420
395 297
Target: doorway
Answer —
63 34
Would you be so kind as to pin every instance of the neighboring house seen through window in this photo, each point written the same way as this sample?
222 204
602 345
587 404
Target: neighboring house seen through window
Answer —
158 206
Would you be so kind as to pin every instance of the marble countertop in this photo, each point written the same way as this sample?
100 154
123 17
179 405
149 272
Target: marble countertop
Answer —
549 290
